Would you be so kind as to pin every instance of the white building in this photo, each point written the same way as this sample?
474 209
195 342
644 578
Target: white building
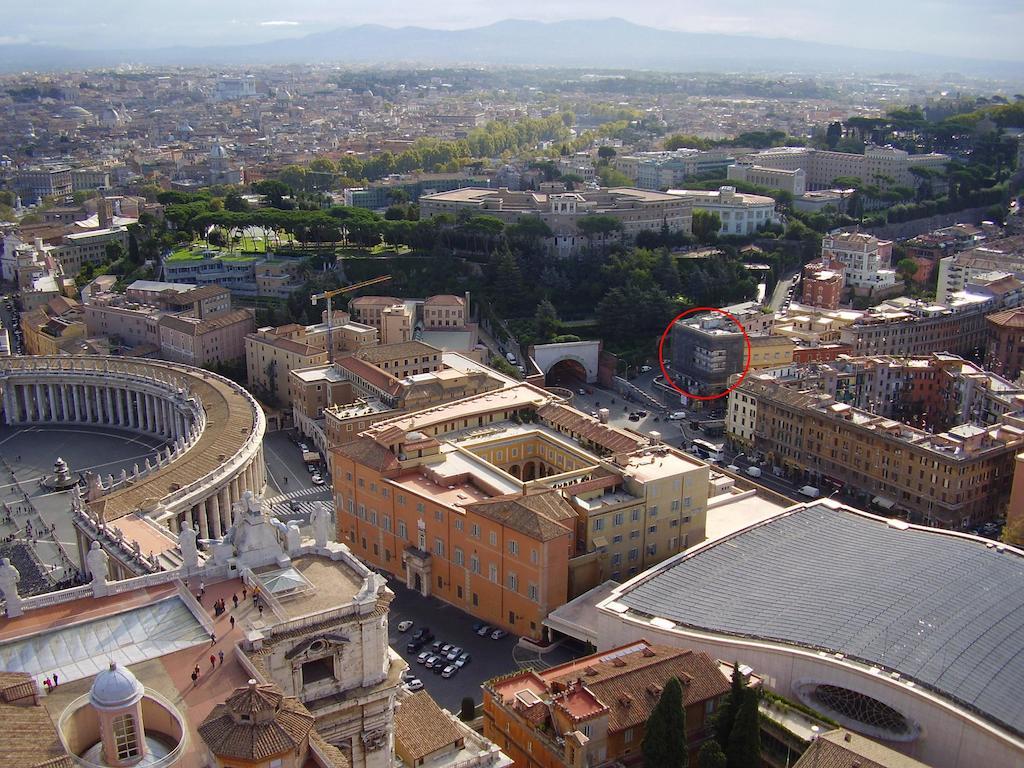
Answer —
741 214
792 181
866 258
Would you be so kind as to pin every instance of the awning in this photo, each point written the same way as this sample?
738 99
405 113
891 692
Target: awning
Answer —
884 503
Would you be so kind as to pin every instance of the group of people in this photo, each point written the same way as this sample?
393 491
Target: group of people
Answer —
51 682
219 608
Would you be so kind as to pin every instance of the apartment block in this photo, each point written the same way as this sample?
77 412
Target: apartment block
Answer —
34 184
1001 255
949 479
271 353
867 260
1004 345
670 168
822 283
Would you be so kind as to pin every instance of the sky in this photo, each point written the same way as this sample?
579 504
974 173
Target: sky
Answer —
985 29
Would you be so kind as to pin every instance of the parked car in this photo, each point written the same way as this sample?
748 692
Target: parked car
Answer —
477 625
581 391
317 480
414 685
498 634
436 646
421 633
463 660
303 447
446 649
454 653
422 658
408 675
404 626
450 670
414 646
645 369
634 417
312 469
485 630
432 659
642 414
677 416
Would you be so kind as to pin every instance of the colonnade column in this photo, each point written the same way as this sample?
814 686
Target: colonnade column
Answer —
224 507
119 398
111 418
64 403
10 409
98 394
75 403
213 512
204 524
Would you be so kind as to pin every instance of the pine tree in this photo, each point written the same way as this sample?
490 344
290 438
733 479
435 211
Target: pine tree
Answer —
727 712
711 755
545 320
744 750
664 744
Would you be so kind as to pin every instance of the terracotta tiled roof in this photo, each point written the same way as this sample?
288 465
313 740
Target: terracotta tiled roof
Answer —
833 750
365 451
256 723
630 684
194 328
400 351
542 516
371 373
374 301
30 736
1008 318
589 428
333 756
445 298
421 728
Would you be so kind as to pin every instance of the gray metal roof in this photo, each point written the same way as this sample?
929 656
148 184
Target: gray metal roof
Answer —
946 611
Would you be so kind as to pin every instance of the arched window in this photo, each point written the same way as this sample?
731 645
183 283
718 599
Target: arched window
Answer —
126 740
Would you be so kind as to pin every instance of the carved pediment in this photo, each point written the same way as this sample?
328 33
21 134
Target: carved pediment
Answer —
328 640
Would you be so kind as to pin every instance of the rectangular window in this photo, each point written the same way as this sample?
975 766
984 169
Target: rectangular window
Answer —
513 547
687 501
492 538
373 517
402 533
474 531
652 529
420 507
598 523
627 735
616 558
618 519
401 499
439 515
458 523
492 572
513 582
534 557
652 511
474 565
387 523
617 539
439 547
634 553
532 592
460 557
636 514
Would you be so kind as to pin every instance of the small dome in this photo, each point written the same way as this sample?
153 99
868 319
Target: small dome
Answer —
115 688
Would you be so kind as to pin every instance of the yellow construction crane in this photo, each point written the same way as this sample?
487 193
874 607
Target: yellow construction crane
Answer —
337 291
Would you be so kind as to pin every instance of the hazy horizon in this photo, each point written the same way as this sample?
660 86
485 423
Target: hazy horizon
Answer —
983 29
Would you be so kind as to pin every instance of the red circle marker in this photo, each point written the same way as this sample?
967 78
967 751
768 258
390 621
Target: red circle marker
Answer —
661 353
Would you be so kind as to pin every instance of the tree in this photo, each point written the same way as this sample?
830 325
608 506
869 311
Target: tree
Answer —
833 134
664 743
906 268
545 320
606 153
666 274
706 225
711 755
726 715
744 750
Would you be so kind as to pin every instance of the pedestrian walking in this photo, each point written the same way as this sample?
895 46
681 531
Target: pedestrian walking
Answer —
245 591
194 677
232 622
234 599
54 679
213 661
220 654
47 683
261 610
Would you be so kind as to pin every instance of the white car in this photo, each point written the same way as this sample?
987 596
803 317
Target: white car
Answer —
677 416
645 369
448 671
404 626
317 480
414 685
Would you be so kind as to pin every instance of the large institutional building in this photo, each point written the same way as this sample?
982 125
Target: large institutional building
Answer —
635 210
893 630
883 166
740 213
507 503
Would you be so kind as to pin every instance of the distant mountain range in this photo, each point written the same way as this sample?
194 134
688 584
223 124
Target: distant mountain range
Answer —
604 44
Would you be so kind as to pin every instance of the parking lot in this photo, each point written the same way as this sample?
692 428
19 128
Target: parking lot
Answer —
489 658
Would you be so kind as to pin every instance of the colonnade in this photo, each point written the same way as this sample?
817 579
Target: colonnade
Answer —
99 404
216 514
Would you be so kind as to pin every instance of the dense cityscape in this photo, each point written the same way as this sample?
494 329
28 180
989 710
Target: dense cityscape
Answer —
453 397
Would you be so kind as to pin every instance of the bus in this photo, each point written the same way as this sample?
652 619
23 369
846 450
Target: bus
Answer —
707 450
